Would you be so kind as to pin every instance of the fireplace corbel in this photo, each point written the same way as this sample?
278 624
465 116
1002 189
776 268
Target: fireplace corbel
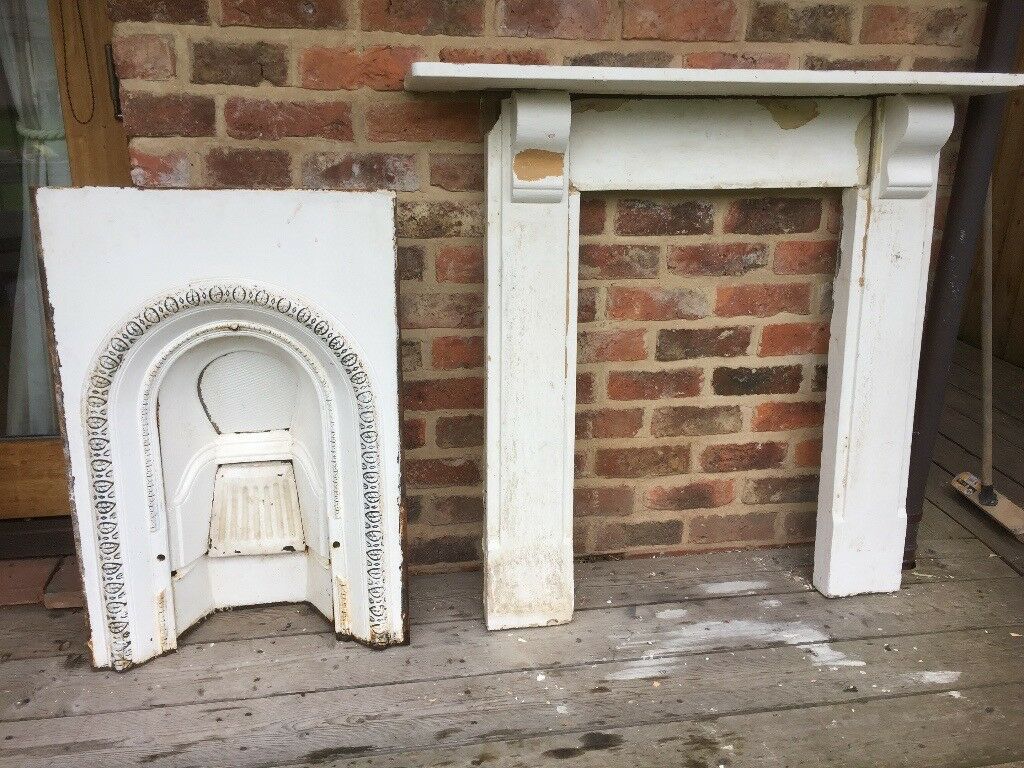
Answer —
874 135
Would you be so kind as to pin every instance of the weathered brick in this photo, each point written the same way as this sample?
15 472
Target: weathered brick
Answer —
171 11
654 533
262 119
789 23
763 300
626 303
603 502
772 380
144 57
494 56
608 422
380 67
172 169
411 355
873 63
459 264
168 115
234 167
717 258
424 120
644 216
592 215
654 385
775 417
239 63
441 310
451 352
567 19
806 257
773 215
781 490
684 20
414 433
440 218
605 346
440 394
451 510
410 262
617 261
413 508
620 59
722 528
737 457
700 494
807 453
649 461
360 171
682 420
288 14
424 17
794 339
902 25
724 60
586 306
444 549
820 380
457 173
460 431
690 343
800 525
434 473
584 387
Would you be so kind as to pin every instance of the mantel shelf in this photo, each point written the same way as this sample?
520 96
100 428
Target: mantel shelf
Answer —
646 81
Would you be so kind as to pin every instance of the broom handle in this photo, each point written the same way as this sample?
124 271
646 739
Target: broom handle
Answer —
986 343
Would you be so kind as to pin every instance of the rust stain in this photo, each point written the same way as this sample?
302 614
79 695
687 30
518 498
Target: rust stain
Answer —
536 164
862 138
790 113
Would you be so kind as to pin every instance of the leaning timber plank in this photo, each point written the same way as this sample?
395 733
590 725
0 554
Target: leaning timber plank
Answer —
243 670
1006 400
936 524
978 727
1007 457
522 704
955 459
1006 375
1005 426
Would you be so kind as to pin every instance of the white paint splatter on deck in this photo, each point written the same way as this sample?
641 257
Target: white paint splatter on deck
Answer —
642 669
824 655
710 635
725 588
935 676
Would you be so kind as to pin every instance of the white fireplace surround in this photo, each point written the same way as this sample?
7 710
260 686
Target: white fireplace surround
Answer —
200 331
875 135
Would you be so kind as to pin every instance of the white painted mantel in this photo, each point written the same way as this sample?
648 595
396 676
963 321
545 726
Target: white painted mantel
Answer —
876 135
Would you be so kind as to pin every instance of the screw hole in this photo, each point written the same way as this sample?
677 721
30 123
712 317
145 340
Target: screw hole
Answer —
336 544
161 558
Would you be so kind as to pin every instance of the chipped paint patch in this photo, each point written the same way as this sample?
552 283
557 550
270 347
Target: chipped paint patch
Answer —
824 655
935 676
672 613
733 587
790 113
537 164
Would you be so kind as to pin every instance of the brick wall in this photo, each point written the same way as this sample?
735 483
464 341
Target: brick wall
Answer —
703 331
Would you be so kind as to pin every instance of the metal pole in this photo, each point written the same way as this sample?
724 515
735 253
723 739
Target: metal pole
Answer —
956 253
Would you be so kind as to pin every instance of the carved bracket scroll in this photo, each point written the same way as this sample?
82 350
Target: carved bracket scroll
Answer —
915 130
540 138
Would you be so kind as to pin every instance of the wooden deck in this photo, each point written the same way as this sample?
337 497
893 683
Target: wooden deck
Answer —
719 659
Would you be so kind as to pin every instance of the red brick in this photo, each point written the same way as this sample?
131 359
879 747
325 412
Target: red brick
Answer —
690 343
288 14
233 167
444 549
414 433
900 25
434 473
654 385
450 352
380 67
784 22
820 380
606 346
717 258
239 63
171 11
608 422
806 257
450 510
424 17
723 60
441 310
775 417
701 494
615 261
656 304
773 380
655 533
424 120
260 119
603 502
621 59
440 218
642 216
412 356
719 529
654 461
742 456
441 394
457 173
781 490
360 171
171 115
682 420
144 57
494 56
584 387
460 431
566 19
763 300
410 262
592 215
800 525
460 264
794 339
773 215
872 63
586 307
165 170
807 453
685 20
